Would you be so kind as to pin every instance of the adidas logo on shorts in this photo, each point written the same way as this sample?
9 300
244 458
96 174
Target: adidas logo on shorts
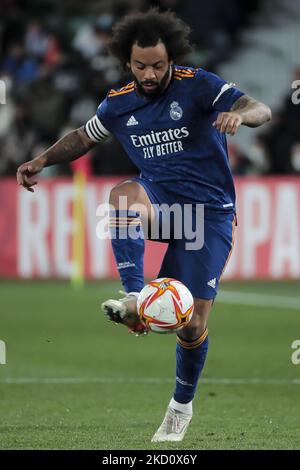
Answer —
212 283
132 121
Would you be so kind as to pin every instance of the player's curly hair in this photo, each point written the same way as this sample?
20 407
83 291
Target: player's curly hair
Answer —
147 29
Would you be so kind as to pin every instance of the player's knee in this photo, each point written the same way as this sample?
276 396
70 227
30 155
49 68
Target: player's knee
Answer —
191 332
198 323
125 193
194 329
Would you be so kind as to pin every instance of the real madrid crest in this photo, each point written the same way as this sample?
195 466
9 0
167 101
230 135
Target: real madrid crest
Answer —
176 111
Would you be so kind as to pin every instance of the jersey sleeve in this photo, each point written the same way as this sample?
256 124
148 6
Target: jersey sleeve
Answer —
214 93
98 127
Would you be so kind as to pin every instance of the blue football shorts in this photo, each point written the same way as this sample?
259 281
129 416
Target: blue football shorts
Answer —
199 267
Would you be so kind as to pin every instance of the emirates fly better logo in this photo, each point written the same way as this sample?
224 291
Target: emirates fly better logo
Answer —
161 143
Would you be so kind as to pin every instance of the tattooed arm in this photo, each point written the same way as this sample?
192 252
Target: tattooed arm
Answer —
71 146
246 111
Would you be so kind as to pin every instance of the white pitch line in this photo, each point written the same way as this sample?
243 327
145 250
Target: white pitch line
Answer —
258 300
142 381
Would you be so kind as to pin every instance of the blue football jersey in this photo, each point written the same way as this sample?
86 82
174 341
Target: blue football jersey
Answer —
170 137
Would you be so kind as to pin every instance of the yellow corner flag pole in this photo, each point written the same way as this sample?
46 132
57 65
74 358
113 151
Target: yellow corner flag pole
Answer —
79 184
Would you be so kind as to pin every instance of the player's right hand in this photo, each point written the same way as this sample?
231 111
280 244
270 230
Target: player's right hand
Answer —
26 171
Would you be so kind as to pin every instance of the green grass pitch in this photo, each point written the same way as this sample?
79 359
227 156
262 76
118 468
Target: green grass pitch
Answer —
75 381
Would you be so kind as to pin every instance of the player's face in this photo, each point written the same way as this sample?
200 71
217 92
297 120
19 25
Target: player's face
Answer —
151 68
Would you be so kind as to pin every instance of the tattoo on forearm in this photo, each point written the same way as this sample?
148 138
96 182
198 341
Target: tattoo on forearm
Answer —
68 148
243 102
253 112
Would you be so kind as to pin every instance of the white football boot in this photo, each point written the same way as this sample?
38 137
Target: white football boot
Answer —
173 427
124 311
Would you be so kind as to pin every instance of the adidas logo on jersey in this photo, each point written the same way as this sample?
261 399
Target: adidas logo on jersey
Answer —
212 283
132 121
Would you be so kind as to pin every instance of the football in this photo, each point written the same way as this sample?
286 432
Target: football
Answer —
165 305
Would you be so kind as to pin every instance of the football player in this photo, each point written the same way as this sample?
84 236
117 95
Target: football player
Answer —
172 121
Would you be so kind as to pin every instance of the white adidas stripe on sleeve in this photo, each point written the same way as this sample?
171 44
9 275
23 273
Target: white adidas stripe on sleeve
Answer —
95 130
223 89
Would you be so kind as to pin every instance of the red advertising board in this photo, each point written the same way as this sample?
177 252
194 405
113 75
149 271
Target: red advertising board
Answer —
36 230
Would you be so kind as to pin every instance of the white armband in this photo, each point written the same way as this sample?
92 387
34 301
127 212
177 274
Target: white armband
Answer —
95 130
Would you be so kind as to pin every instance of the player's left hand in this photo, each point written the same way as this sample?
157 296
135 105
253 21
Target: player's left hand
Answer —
228 122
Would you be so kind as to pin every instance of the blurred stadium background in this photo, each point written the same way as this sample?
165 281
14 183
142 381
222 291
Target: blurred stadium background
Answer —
72 380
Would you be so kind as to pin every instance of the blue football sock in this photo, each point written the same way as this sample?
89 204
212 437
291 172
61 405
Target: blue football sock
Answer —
190 359
128 245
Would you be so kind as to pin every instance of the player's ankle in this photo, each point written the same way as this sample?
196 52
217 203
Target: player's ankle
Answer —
186 408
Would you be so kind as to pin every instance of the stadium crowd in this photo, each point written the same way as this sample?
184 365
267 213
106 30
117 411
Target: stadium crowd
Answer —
56 67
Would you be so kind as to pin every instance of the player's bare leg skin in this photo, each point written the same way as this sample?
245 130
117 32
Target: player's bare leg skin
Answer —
179 413
137 201
198 324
